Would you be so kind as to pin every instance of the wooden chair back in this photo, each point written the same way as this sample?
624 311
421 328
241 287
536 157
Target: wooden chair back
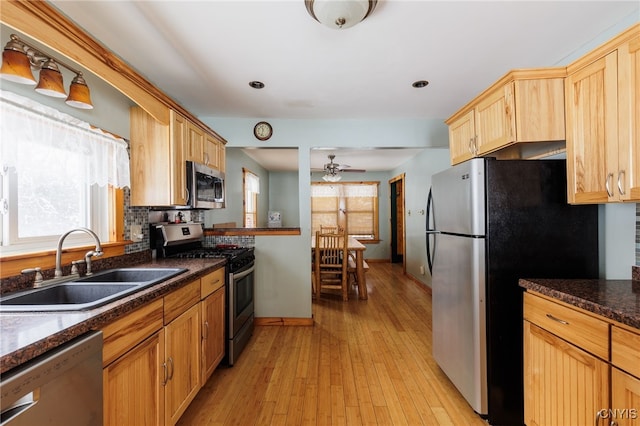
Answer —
330 263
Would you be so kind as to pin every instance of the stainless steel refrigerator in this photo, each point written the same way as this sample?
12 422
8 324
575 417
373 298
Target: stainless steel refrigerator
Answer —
489 223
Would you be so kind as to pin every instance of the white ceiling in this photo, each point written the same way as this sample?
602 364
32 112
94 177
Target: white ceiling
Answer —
204 53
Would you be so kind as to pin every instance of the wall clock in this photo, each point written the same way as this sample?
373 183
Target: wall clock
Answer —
263 130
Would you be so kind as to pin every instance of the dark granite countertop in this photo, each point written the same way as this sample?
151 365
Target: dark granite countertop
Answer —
618 300
27 335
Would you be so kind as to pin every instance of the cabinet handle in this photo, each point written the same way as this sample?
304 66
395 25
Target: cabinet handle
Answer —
171 369
607 186
620 189
471 145
206 159
475 145
166 374
206 333
557 319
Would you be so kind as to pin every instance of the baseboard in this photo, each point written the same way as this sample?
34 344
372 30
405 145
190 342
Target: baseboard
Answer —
420 284
283 321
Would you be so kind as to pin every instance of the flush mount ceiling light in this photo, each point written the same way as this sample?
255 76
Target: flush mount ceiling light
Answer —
340 14
18 60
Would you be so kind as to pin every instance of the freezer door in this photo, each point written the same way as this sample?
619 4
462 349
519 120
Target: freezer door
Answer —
458 198
459 316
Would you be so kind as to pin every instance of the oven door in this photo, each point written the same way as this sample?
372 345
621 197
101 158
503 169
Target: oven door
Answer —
240 298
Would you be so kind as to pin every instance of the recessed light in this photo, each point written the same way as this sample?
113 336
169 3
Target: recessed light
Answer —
256 84
420 84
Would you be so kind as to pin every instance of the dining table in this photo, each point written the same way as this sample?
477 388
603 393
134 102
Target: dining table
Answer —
355 246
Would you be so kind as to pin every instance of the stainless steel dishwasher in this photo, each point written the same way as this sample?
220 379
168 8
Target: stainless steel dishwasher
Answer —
60 387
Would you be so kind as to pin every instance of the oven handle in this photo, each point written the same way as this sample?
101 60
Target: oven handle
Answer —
241 275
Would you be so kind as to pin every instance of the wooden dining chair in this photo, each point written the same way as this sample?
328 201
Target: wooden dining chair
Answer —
330 264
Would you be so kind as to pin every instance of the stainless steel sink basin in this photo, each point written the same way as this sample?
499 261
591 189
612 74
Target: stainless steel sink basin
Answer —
87 292
132 275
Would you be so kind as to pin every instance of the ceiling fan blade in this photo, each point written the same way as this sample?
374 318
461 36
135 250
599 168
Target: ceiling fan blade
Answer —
353 170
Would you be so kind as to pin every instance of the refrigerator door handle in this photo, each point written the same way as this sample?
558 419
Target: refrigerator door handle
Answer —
430 255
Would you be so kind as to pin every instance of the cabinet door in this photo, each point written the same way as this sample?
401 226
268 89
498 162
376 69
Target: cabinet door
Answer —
178 166
132 385
194 144
462 134
182 355
210 155
213 337
625 398
629 117
563 385
495 120
592 122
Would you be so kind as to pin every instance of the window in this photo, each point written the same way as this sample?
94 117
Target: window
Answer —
251 183
57 173
353 206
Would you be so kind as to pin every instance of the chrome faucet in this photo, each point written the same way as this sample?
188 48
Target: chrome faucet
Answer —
92 253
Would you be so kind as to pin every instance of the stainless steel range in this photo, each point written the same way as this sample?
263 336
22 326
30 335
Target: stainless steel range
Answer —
184 240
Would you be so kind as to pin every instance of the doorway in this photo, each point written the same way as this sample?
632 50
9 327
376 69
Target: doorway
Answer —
396 195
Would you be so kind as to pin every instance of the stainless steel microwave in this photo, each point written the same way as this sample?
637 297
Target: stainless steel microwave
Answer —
205 185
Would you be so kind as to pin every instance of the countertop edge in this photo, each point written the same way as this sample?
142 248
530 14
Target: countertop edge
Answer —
80 322
555 290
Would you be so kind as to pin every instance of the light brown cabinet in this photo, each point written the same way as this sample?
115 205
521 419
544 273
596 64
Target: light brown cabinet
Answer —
133 392
159 153
524 106
152 366
563 383
214 153
212 315
194 143
133 355
578 367
182 355
158 169
602 113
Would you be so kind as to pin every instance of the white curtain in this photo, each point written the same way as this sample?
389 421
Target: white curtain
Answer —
28 126
252 183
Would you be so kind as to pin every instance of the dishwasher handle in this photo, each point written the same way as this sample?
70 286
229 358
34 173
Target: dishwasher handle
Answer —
20 406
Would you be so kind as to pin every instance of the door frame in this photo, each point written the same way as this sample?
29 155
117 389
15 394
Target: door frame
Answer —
397 229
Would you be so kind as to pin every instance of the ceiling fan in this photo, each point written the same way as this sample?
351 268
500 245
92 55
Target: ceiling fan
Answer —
335 168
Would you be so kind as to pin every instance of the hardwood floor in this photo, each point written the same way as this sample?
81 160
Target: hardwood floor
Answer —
362 363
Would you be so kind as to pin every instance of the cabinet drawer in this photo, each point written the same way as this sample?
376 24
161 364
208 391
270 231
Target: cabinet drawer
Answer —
211 282
177 302
584 331
625 350
128 331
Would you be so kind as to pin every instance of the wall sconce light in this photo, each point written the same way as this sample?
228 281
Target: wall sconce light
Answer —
340 14
18 58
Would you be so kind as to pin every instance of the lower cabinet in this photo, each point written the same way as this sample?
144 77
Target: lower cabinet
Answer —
579 368
625 399
132 385
182 358
563 384
213 338
156 359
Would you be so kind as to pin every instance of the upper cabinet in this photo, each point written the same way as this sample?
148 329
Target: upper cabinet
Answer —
602 114
159 153
523 106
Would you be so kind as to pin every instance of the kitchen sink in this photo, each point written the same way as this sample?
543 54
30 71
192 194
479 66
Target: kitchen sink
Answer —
87 292
132 275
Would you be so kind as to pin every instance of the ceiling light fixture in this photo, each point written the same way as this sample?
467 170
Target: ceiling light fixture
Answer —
256 84
331 177
340 14
18 58
420 84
